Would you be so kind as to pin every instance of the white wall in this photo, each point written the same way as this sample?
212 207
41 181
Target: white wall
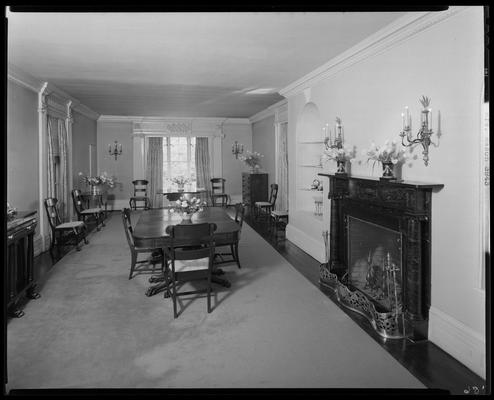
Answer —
232 167
445 62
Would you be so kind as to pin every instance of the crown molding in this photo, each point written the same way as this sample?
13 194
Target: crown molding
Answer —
271 110
402 29
140 119
56 95
23 79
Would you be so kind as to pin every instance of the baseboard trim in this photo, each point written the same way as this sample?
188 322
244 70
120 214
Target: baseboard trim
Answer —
305 242
458 340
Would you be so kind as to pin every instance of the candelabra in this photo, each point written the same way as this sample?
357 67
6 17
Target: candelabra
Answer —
237 149
115 150
424 134
337 142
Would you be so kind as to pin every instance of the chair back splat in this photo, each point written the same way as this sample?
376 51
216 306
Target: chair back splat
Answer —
190 242
264 208
218 195
83 214
63 233
140 198
231 240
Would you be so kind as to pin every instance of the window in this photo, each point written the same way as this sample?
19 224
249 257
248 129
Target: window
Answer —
179 158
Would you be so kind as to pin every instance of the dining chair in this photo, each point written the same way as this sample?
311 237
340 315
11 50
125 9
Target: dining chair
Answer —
189 242
84 213
231 239
140 195
278 221
264 208
152 246
63 233
218 195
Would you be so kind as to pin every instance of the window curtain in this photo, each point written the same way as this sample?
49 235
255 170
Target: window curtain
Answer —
282 172
203 171
154 170
58 164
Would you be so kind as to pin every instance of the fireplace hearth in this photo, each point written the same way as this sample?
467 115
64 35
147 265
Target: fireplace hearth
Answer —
379 263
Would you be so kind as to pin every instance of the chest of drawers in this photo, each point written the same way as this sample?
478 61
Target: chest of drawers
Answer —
254 188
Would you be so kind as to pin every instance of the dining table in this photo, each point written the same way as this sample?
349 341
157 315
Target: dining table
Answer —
152 225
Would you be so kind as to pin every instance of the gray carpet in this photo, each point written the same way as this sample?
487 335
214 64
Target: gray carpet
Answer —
94 328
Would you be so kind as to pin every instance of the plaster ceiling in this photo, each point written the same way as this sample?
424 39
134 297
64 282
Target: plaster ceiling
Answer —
194 64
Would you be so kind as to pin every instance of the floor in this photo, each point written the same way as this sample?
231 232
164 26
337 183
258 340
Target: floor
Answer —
427 362
432 366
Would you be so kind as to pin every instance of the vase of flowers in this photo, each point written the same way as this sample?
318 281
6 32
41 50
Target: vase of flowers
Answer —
180 181
389 155
97 182
252 160
187 207
341 155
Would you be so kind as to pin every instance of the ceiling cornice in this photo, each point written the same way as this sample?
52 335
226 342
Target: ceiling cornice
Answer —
391 35
271 110
28 81
214 120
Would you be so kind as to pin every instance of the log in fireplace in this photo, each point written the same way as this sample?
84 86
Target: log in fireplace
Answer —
379 252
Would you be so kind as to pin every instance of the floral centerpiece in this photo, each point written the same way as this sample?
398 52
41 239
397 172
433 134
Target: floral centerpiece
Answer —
388 155
180 181
97 181
186 207
252 159
339 154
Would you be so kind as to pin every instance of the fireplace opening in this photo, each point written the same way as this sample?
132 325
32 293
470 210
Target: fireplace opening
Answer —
375 263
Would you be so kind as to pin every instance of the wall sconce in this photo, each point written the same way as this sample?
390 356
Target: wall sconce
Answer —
115 150
425 132
237 149
339 137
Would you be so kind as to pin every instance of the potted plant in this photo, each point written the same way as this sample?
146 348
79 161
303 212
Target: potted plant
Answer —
389 154
252 159
339 154
186 207
180 181
96 182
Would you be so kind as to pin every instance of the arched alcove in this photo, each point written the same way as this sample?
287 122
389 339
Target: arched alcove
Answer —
309 127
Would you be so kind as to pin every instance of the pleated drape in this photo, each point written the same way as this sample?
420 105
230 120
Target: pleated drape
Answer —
154 170
203 171
58 164
282 173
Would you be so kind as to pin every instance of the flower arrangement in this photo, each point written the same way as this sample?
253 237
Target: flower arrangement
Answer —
188 206
390 152
103 179
180 180
252 159
337 154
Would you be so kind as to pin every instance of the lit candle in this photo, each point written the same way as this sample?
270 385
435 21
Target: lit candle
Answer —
407 124
430 119
120 148
403 121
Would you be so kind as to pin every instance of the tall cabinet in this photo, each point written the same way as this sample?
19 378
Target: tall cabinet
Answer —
254 188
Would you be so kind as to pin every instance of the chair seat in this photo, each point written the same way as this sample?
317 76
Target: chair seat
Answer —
263 203
70 225
279 213
92 211
191 265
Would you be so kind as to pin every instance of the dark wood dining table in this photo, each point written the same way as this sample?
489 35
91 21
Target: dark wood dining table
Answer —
152 226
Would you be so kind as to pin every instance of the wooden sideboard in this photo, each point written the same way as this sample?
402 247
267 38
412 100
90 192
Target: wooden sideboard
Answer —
19 274
254 188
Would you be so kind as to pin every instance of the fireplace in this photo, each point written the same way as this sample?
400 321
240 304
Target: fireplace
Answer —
379 263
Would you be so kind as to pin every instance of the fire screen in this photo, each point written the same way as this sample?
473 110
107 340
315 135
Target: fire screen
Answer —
375 263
